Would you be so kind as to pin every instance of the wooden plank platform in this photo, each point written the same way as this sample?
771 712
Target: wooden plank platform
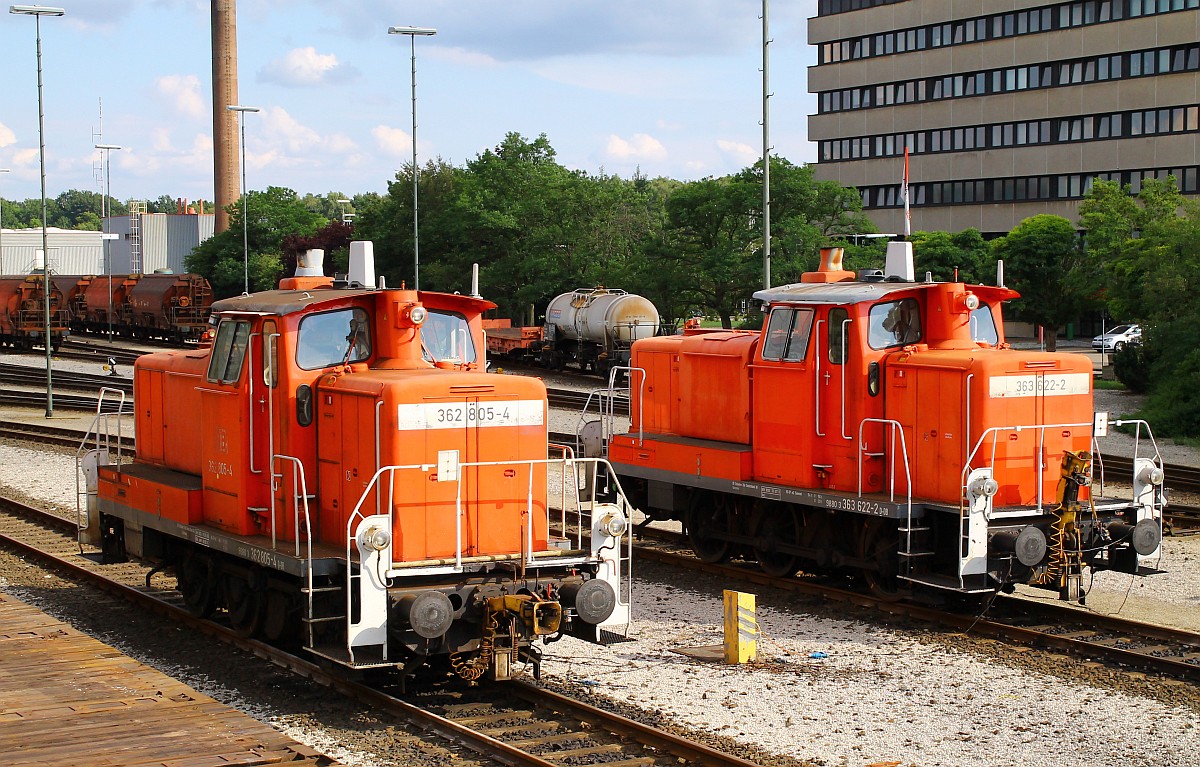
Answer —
68 699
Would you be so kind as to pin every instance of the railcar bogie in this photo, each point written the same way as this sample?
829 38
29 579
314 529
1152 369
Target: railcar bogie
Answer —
883 426
336 470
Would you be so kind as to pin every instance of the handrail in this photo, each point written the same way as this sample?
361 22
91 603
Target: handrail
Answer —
103 438
299 495
817 380
845 322
1041 469
896 427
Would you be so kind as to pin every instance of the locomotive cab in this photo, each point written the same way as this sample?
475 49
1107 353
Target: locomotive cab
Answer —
882 426
337 467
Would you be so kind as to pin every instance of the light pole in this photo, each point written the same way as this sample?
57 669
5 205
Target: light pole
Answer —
2 170
241 110
107 149
37 12
412 33
345 216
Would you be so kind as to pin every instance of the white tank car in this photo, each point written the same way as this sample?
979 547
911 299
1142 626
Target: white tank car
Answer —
595 327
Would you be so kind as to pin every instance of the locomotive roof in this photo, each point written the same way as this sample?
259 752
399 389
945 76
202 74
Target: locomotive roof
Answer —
834 292
286 301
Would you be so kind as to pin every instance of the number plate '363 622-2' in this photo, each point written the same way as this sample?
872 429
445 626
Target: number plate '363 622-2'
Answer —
470 415
1046 384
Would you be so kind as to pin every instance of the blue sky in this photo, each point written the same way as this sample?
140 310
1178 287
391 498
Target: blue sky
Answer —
672 87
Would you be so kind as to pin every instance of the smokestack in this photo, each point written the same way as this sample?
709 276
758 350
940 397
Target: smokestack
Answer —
225 93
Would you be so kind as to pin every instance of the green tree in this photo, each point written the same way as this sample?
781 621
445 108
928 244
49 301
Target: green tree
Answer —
1039 256
271 215
1143 261
943 254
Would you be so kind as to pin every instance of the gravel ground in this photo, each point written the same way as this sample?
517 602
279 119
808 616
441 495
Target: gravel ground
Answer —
829 688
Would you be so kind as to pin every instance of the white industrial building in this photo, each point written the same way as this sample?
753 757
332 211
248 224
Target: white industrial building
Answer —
71 251
150 242
140 244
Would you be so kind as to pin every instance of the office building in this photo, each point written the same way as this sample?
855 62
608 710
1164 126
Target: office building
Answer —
1008 109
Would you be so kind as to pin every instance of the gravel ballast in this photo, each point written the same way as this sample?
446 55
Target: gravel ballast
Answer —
829 688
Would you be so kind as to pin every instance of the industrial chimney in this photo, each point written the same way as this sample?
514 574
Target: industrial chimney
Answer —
225 93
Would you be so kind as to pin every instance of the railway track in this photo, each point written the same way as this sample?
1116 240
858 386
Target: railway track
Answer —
1045 625
510 724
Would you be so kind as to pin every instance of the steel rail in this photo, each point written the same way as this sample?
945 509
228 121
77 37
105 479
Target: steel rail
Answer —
486 746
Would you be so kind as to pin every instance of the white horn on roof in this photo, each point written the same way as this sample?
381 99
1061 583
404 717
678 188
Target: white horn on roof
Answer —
899 262
362 264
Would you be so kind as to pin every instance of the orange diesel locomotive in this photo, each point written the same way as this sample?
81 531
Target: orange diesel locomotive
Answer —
882 425
337 470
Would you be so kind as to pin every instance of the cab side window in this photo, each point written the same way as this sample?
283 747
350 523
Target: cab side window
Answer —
837 331
229 351
787 334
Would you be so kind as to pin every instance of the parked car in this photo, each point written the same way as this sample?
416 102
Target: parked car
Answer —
1117 338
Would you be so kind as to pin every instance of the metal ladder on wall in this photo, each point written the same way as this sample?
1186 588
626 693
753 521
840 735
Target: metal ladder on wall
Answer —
137 208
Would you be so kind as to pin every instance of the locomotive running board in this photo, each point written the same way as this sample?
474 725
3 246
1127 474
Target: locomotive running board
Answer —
948 582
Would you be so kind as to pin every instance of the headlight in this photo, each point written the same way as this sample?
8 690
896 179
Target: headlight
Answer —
417 314
375 538
1151 475
614 524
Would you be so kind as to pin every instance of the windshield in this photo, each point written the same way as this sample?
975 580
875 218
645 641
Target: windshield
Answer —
325 339
894 323
446 336
1119 329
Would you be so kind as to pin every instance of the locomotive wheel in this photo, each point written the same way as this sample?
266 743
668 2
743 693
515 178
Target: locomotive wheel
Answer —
878 542
708 517
281 624
776 523
198 583
244 602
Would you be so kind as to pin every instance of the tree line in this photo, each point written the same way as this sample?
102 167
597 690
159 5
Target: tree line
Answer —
538 229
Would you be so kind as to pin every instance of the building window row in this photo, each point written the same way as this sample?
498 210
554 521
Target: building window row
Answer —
1060 130
831 7
1118 66
998 26
1068 186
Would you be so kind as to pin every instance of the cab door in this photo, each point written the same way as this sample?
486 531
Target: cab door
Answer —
784 397
836 401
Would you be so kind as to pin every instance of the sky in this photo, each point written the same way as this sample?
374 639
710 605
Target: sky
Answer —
666 88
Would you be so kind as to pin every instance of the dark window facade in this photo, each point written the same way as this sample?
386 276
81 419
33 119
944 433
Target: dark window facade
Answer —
830 7
1031 21
1067 186
1058 130
1119 66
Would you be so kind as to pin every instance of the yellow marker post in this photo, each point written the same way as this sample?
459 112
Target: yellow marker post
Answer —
741 628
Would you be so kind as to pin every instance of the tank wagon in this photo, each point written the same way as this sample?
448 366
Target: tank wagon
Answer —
884 426
23 312
592 328
336 469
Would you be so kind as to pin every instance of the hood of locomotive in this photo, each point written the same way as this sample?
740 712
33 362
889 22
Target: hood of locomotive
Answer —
467 449
1012 411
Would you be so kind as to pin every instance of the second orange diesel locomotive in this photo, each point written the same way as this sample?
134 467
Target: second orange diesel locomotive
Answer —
882 425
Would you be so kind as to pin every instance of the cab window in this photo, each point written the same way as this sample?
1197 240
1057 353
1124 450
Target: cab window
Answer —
787 334
983 325
270 353
837 331
332 338
229 351
446 336
894 323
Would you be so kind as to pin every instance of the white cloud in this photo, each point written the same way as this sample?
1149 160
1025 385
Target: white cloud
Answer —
393 141
743 153
640 147
284 129
7 136
303 67
183 93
